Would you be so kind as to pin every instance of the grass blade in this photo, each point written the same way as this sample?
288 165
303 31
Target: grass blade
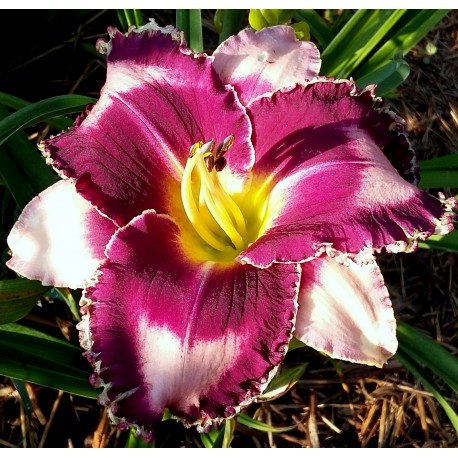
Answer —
195 31
15 180
182 22
16 103
357 39
403 40
427 351
18 297
287 378
42 111
36 357
441 172
318 27
246 420
137 442
25 163
447 242
418 371
388 77
231 23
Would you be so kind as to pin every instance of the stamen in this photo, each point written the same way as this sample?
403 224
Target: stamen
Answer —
215 215
212 193
191 208
224 146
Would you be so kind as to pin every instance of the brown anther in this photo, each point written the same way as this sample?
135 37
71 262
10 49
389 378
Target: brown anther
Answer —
224 146
220 163
209 161
194 148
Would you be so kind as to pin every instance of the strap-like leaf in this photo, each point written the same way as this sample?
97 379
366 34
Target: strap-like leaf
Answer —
41 111
447 242
421 22
318 27
425 350
33 356
418 371
18 297
357 39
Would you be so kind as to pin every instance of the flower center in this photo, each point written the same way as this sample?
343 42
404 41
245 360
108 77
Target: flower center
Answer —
213 213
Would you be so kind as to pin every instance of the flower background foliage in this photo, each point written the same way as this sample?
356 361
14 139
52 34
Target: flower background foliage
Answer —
385 66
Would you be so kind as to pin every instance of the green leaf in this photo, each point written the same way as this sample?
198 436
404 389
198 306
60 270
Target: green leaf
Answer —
246 420
23 166
15 180
190 22
441 172
42 111
318 27
418 371
137 442
420 23
257 20
230 22
195 30
229 430
18 297
36 357
66 295
287 378
182 22
388 77
425 350
16 103
448 242
302 31
357 39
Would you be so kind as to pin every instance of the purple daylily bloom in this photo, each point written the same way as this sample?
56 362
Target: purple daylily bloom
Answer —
212 208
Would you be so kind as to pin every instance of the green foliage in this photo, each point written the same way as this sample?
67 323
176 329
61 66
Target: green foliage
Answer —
18 297
440 172
228 22
33 356
129 18
422 356
368 45
42 111
190 22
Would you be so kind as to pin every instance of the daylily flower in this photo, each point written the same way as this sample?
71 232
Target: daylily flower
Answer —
212 208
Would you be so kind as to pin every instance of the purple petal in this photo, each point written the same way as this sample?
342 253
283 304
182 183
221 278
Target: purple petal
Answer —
257 63
129 151
330 180
345 310
201 339
59 238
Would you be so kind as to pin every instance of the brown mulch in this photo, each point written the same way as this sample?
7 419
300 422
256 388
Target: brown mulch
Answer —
335 404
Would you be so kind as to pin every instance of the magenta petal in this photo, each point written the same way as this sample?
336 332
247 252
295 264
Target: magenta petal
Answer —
158 100
257 63
331 183
345 310
199 339
59 238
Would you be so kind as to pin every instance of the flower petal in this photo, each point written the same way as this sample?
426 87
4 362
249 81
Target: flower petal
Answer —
159 99
59 238
345 310
201 339
330 180
257 63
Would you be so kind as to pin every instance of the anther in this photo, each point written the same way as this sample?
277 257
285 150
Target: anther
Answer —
224 146
220 163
